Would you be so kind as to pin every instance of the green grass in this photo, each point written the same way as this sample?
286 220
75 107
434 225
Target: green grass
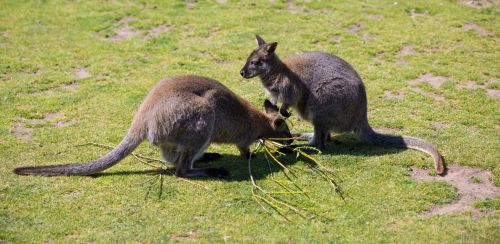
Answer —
42 43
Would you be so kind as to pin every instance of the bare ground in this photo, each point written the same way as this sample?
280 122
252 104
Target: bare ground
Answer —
438 124
479 4
82 73
428 94
405 51
480 30
57 120
355 28
393 96
157 30
22 132
472 85
434 81
472 184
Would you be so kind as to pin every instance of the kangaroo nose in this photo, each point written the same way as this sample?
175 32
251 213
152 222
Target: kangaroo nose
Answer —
242 73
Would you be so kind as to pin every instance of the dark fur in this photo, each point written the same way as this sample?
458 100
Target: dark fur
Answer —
326 91
183 115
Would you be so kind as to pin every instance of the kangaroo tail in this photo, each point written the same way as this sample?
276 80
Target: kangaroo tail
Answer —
126 146
369 136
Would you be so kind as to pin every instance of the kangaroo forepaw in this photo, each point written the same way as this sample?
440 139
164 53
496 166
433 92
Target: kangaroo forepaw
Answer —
285 113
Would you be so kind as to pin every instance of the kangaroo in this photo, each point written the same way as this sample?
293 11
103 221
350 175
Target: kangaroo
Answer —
183 115
326 91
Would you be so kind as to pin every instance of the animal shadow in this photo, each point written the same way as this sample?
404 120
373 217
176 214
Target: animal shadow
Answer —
343 144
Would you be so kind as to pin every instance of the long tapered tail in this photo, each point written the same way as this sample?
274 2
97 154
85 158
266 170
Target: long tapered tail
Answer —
126 146
369 136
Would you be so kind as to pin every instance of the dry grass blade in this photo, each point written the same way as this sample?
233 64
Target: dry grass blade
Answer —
271 151
160 166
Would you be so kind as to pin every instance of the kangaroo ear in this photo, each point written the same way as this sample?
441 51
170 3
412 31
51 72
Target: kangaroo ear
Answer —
260 41
270 107
270 47
278 123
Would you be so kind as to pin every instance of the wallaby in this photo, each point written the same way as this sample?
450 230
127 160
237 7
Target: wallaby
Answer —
183 115
326 91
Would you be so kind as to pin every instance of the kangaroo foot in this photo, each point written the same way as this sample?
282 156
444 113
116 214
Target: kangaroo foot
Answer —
208 157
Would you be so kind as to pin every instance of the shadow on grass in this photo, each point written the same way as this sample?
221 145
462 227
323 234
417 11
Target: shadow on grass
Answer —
344 144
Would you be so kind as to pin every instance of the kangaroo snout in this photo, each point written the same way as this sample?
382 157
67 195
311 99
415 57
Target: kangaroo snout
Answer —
242 73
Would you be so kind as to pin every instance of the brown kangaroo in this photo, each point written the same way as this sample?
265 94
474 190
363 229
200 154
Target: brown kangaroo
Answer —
326 91
183 115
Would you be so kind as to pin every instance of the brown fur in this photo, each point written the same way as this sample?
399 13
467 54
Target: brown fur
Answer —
183 115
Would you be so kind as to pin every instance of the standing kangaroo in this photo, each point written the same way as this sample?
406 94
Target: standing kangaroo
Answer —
183 115
326 91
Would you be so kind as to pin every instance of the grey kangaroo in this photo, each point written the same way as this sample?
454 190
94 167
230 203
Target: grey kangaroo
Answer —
183 115
326 91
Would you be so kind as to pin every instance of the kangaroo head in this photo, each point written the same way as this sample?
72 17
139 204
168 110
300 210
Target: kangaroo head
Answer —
278 123
259 61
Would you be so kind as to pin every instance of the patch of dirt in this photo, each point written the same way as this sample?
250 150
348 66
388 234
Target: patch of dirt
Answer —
74 194
479 4
385 130
413 14
82 73
190 5
394 96
157 30
480 30
401 62
471 85
493 93
354 28
22 132
125 31
373 16
427 94
189 236
472 184
405 51
434 81
60 124
221 1
297 9
52 116
69 87
438 124
366 36
56 119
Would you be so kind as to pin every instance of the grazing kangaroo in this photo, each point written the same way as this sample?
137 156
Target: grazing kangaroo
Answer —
183 115
326 91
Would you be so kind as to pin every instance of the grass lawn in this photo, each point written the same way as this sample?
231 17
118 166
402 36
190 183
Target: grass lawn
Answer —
73 72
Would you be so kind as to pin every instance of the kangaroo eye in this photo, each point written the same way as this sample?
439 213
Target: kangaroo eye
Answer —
255 62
